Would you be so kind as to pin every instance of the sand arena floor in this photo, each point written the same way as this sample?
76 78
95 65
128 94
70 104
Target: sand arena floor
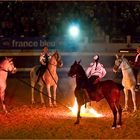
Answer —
26 121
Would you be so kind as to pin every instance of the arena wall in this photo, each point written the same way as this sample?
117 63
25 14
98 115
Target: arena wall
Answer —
25 59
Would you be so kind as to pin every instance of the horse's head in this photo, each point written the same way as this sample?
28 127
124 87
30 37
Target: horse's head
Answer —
8 65
118 62
58 60
74 69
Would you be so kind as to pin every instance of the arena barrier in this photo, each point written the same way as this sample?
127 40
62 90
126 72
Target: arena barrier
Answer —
66 55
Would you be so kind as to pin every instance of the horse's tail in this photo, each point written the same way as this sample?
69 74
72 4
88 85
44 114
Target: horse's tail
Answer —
120 86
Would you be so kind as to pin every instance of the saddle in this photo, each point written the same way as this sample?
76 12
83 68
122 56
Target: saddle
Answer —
94 79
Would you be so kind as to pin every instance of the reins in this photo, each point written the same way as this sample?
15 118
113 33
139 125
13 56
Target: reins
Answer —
29 85
53 78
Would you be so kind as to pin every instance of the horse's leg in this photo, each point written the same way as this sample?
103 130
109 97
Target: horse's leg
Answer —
114 111
134 98
126 99
3 103
54 95
41 95
49 94
78 115
120 114
32 93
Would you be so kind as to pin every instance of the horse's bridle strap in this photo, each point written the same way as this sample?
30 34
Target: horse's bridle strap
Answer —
3 69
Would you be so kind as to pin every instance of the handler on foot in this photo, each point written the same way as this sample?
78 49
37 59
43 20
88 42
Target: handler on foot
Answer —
137 66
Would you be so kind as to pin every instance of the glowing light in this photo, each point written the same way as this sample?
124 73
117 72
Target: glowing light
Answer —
74 31
88 111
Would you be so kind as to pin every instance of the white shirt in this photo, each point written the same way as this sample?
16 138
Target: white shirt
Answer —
42 58
136 59
98 70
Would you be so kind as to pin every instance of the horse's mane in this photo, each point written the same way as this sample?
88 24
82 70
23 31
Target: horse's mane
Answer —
126 61
82 71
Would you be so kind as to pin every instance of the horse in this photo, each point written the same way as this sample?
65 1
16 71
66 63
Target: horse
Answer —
6 65
49 79
128 80
86 91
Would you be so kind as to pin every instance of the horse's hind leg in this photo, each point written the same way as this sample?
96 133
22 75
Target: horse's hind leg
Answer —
126 100
120 114
114 111
32 93
54 95
41 95
134 99
49 95
3 103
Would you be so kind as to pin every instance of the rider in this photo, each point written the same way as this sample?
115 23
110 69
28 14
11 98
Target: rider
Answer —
95 71
44 60
137 65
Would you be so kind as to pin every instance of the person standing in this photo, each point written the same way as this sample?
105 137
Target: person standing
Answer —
137 66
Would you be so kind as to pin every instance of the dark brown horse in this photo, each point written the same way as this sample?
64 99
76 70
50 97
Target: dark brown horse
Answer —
86 91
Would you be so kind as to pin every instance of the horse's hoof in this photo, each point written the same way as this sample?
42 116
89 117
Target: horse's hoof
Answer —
7 114
33 102
55 105
43 103
125 110
113 127
134 110
50 105
118 126
76 122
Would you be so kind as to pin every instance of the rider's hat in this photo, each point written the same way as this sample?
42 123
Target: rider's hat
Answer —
96 57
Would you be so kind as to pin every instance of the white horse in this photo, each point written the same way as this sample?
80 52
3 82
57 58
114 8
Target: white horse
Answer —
50 79
6 65
128 81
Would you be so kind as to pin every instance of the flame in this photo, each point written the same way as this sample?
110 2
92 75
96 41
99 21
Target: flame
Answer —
88 111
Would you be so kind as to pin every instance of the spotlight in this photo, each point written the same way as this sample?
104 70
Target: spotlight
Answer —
74 31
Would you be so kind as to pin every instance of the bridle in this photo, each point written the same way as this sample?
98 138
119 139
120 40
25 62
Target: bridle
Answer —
5 70
57 60
120 62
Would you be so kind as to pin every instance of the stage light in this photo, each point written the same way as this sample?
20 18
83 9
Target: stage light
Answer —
74 31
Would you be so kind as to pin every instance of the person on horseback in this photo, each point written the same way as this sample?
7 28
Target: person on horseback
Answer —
96 70
137 66
44 60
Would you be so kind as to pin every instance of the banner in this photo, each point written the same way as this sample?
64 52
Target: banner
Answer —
29 42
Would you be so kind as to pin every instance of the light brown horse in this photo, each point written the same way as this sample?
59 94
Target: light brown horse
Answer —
6 65
128 81
50 79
